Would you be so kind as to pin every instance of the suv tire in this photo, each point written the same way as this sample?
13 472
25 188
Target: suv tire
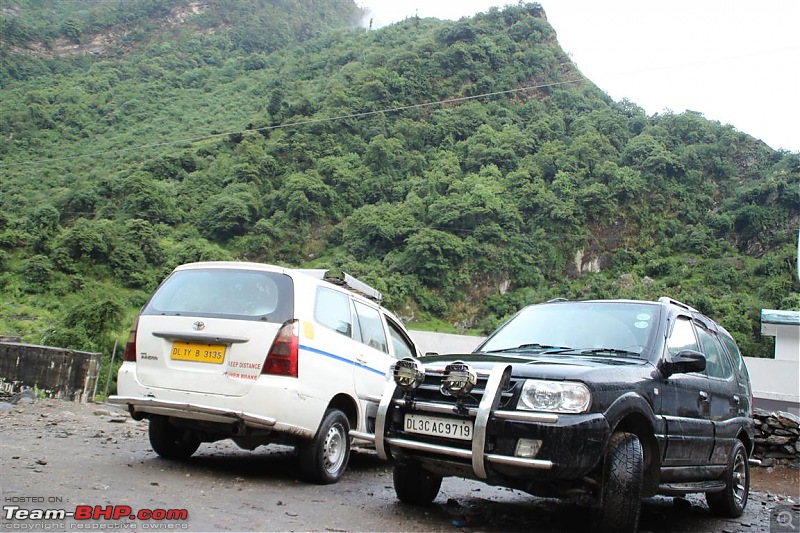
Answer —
623 474
171 442
415 486
324 459
731 501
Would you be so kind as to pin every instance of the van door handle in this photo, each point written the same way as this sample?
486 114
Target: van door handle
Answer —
361 360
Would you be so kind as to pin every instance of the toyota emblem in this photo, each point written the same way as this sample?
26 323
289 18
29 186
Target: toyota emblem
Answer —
199 326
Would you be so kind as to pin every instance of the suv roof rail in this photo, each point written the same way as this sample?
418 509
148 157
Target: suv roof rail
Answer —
668 300
343 279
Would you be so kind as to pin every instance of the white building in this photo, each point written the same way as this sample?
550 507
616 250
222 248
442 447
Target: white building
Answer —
776 382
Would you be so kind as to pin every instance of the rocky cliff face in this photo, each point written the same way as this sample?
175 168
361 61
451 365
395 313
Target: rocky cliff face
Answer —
105 42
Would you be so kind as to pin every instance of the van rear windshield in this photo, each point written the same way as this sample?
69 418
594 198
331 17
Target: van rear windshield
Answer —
242 294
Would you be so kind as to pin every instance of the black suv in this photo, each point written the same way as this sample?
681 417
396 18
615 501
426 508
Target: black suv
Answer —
603 402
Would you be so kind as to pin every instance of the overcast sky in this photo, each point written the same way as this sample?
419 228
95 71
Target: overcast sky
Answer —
734 61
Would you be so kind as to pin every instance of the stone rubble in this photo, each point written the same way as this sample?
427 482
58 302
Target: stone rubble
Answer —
777 438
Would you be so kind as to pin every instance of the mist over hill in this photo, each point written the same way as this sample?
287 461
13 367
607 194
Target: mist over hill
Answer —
463 168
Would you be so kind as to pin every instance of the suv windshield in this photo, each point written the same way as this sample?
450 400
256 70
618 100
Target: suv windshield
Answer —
614 329
242 294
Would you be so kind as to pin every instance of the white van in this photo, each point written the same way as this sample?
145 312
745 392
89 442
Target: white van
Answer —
261 354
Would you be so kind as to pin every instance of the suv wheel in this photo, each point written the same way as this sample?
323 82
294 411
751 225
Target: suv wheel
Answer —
415 486
324 459
171 442
730 502
623 474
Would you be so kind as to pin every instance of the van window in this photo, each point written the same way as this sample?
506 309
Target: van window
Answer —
332 310
214 292
400 343
372 332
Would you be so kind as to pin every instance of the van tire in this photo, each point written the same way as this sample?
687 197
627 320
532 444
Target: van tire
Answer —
171 442
324 459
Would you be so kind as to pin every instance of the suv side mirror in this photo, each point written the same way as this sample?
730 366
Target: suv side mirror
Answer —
684 362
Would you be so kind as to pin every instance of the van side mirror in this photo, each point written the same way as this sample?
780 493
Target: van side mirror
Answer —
684 362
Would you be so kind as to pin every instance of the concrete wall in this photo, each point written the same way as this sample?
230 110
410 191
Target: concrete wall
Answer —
428 341
776 382
56 372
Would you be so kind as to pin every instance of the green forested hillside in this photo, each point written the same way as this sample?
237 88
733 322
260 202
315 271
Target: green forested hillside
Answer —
463 168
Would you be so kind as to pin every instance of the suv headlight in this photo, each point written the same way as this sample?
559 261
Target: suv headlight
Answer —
554 396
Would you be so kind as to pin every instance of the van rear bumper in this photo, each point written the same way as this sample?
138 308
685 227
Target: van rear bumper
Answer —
141 407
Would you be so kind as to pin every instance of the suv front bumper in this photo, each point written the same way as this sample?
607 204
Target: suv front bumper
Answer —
570 445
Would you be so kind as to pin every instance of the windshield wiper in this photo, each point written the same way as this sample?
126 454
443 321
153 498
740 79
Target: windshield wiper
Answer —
543 348
610 351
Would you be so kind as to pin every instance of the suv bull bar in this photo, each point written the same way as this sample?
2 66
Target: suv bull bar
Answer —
487 409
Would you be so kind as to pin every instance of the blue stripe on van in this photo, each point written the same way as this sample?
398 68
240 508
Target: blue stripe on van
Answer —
341 359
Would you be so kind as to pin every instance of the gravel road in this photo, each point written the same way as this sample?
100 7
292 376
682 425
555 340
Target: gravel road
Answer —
61 455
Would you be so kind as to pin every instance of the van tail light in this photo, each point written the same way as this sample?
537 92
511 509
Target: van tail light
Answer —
282 357
130 346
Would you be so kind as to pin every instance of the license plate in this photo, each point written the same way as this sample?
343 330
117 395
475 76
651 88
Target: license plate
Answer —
193 351
439 427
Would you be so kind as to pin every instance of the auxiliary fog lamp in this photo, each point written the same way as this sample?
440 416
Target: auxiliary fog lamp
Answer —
458 380
408 373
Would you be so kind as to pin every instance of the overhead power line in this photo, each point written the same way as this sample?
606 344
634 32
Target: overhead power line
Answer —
292 124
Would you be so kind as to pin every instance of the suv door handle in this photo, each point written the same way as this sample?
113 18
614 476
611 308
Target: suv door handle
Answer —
703 396
736 399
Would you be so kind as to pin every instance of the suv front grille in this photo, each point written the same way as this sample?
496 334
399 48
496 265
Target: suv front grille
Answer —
430 391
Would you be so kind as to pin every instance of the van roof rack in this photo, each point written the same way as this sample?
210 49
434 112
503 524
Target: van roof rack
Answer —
668 300
343 279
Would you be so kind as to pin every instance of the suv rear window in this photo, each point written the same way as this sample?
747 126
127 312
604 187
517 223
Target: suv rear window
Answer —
242 294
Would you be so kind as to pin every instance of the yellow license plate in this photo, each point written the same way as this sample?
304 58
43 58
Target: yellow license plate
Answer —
193 351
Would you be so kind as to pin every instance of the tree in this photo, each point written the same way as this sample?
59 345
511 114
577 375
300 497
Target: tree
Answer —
145 198
43 226
374 230
90 321
431 254
90 240
37 272
225 216
305 197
